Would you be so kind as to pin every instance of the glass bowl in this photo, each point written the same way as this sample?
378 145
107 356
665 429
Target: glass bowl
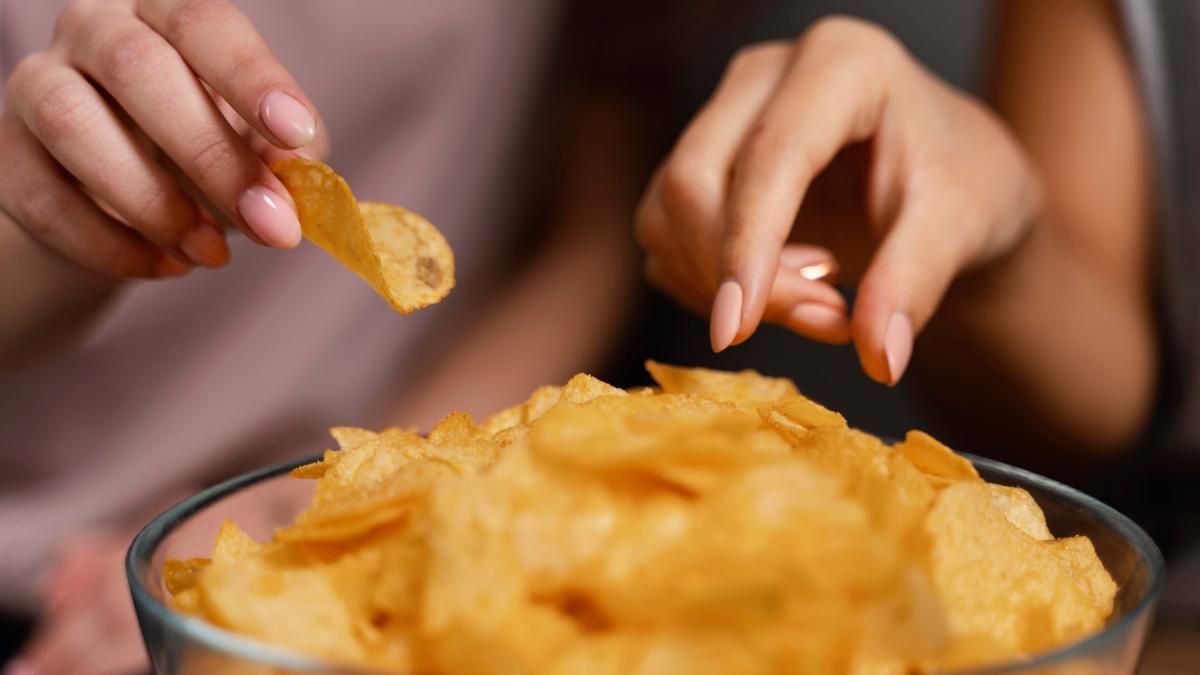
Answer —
267 498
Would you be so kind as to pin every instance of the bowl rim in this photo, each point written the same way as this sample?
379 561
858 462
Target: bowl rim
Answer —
148 539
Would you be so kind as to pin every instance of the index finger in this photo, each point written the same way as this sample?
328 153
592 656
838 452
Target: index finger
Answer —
832 96
225 50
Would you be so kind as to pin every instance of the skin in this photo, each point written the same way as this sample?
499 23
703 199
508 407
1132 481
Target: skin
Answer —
130 144
1015 232
87 626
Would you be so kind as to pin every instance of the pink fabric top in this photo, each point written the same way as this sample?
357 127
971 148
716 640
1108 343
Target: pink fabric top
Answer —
185 381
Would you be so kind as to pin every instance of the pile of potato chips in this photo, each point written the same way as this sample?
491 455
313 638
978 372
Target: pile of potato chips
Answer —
721 523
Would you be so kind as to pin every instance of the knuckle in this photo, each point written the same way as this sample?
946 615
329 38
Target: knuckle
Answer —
61 113
251 65
129 54
187 14
758 55
74 17
856 44
213 154
687 191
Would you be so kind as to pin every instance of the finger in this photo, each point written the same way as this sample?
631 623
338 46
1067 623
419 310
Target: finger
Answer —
810 308
906 280
270 153
693 181
82 132
151 82
223 47
815 263
36 193
834 94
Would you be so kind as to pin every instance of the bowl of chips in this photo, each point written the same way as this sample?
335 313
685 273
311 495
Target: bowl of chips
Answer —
715 523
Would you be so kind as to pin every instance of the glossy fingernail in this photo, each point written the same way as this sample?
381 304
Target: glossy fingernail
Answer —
288 119
21 667
726 317
270 216
205 245
897 346
170 266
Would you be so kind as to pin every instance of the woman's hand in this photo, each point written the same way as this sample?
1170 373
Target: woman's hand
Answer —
835 150
144 125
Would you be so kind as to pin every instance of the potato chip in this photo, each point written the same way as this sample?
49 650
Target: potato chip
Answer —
1020 509
403 257
721 524
1001 585
935 459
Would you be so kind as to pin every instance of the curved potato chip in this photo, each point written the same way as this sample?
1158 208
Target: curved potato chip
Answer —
400 254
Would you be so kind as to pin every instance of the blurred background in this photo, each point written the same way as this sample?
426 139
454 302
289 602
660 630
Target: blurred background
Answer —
620 81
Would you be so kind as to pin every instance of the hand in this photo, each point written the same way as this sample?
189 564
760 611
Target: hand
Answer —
835 149
138 113
88 626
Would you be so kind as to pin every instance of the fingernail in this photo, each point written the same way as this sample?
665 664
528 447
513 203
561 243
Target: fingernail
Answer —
897 346
270 216
288 119
726 317
170 266
21 667
205 245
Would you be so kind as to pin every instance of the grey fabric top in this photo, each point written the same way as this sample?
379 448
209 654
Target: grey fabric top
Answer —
1162 36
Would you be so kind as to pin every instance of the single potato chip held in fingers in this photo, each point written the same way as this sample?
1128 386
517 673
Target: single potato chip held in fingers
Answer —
404 257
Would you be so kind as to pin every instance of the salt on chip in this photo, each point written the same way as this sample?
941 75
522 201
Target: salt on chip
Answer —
400 254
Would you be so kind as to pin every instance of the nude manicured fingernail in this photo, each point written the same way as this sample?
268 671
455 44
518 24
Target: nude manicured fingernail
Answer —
21 667
270 216
288 119
205 245
897 346
726 317
170 266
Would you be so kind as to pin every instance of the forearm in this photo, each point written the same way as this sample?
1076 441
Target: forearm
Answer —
1043 349
46 298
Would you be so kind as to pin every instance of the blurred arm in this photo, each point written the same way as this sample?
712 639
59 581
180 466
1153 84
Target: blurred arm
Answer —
1054 347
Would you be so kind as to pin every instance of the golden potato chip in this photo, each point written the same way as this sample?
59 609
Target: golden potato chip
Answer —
747 389
403 257
1019 507
417 264
180 575
935 459
998 583
723 524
